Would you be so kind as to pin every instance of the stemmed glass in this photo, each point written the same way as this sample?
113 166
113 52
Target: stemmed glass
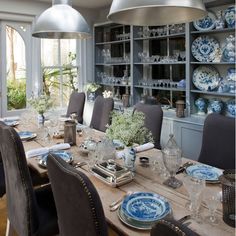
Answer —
194 188
172 161
211 198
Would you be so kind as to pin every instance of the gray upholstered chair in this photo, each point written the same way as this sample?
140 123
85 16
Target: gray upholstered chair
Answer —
153 120
2 178
76 105
218 142
30 211
102 113
78 204
171 227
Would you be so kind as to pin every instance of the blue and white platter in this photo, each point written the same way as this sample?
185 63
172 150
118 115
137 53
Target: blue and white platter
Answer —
230 16
27 135
204 48
206 78
66 156
208 173
145 208
207 23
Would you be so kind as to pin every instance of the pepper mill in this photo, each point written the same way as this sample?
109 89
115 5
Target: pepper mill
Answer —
70 132
180 108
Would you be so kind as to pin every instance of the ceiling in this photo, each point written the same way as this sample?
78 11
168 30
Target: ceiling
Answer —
86 3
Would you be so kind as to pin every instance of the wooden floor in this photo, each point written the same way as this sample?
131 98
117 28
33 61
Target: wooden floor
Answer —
3 219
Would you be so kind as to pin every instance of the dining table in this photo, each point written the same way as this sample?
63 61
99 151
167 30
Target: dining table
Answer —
146 179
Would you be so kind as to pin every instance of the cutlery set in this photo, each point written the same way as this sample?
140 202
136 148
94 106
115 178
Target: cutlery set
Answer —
115 205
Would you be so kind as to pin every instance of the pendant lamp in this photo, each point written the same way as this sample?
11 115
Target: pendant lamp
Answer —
156 12
61 21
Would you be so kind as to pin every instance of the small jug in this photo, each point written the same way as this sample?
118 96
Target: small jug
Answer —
129 158
70 132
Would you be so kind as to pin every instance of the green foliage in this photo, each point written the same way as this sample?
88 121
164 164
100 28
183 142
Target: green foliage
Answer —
129 128
92 87
16 94
41 104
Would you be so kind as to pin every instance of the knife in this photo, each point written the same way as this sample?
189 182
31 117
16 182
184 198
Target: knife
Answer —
183 167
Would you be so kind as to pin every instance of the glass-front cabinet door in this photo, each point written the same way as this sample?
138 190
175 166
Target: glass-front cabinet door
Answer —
15 67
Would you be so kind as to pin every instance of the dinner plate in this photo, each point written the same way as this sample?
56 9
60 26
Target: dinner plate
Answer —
204 48
206 23
206 78
11 123
143 207
133 224
66 156
26 135
208 173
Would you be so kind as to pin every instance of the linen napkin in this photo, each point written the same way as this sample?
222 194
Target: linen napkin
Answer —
139 148
45 150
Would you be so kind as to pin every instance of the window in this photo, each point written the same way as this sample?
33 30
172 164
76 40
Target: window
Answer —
59 69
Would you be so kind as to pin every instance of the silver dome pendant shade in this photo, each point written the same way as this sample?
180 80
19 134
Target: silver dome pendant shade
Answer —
61 21
156 12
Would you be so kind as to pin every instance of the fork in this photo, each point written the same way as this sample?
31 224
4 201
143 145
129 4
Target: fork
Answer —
114 205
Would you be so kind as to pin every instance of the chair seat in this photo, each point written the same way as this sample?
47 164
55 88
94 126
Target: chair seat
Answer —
2 181
47 211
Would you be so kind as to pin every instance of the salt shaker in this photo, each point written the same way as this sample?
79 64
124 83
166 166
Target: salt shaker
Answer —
70 132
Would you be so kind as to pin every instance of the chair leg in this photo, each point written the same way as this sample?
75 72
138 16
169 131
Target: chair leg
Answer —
9 229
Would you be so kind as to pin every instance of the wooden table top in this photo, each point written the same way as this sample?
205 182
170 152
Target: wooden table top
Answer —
146 180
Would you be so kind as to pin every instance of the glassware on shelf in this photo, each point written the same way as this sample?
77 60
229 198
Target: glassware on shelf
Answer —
211 198
172 160
194 188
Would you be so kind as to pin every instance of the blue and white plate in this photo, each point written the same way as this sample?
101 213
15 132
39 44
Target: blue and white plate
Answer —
207 23
11 123
66 156
230 16
26 135
204 48
208 173
206 78
145 207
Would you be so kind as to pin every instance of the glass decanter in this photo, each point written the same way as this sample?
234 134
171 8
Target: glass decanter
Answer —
172 160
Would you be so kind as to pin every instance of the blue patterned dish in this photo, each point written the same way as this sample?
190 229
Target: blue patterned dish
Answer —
26 135
230 17
66 156
206 78
216 106
231 108
207 23
205 172
204 48
201 105
11 123
145 207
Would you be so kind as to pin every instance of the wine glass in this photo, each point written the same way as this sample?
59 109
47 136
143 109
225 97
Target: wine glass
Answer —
172 160
194 187
211 198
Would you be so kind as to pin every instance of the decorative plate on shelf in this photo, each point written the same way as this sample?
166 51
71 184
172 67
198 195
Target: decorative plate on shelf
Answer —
204 48
208 173
66 156
230 16
206 78
207 23
26 135
145 207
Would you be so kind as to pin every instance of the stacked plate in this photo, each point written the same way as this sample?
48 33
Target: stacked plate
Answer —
27 135
209 173
141 210
66 156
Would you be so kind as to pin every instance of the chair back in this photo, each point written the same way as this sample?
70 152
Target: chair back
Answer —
78 204
218 142
76 105
2 178
101 113
153 120
171 227
21 202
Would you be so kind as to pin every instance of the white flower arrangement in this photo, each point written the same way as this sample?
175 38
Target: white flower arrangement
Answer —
107 94
128 127
41 104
